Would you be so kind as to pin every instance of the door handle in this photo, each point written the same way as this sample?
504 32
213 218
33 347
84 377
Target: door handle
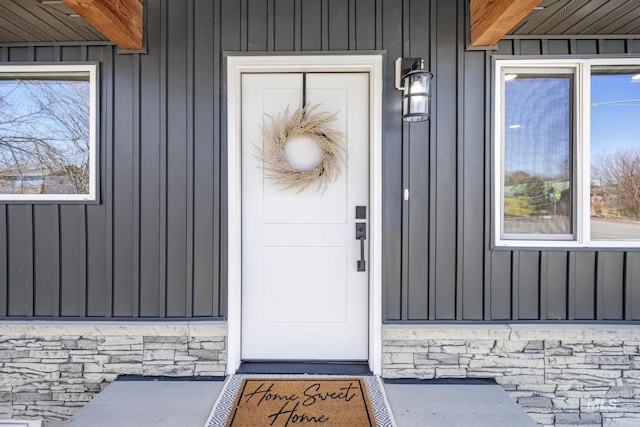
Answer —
361 234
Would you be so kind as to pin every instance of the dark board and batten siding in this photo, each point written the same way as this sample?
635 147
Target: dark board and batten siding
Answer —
154 246
151 247
567 285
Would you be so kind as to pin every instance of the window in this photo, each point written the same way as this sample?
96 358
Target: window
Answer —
567 153
48 133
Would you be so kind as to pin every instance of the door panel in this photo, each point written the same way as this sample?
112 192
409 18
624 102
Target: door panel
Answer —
302 296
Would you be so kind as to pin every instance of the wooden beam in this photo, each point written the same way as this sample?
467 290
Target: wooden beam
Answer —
492 19
119 20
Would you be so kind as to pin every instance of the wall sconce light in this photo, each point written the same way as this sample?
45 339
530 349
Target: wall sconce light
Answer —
414 82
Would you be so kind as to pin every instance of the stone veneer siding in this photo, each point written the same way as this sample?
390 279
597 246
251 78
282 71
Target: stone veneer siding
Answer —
49 370
562 375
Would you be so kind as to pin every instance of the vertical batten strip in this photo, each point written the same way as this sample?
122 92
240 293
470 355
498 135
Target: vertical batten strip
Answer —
84 55
352 25
31 286
297 25
632 286
59 250
108 153
324 28
543 275
489 159
460 173
405 148
571 287
85 230
56 261
404 257
378 25
433 165
219 282
244 25
271 25
189 282
516 47
625 288
599 285
59 266
136 140
567 300
515 285
32 299
162 312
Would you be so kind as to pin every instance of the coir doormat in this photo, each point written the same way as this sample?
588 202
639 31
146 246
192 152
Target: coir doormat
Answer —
278 401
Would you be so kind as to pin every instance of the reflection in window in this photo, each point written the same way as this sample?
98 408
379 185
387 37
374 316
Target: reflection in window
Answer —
45 133
537 184
615 153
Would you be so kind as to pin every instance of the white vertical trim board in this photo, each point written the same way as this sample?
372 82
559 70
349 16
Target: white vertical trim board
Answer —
236 65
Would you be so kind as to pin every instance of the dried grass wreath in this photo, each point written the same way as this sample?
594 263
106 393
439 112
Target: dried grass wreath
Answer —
303 122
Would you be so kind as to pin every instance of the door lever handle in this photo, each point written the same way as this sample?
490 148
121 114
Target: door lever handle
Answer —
361 234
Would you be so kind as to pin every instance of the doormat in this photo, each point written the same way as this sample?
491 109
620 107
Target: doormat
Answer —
289 400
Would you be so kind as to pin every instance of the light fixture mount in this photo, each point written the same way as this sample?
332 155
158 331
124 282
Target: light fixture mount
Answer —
414 81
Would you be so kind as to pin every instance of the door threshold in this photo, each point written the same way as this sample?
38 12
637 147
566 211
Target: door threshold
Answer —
304 367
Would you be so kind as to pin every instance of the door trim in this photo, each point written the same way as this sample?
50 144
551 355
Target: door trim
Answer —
235 66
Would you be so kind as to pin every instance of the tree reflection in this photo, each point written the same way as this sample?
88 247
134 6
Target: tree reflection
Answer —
44 136
615 184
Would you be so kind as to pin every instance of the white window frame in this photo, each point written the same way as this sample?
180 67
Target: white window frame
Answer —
92 196
581 114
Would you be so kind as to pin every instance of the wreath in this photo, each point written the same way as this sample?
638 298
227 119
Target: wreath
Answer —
304 121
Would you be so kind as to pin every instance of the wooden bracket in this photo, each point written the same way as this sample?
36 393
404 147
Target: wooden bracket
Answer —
119 20
492 19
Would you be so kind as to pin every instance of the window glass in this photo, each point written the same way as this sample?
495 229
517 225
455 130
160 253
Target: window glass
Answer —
615 153
45 134
537 185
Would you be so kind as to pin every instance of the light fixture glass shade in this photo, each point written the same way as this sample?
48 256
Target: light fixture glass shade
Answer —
415 96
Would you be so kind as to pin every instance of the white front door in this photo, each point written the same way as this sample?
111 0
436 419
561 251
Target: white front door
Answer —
303 297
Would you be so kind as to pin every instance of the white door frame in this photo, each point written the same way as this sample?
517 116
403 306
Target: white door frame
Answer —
236 65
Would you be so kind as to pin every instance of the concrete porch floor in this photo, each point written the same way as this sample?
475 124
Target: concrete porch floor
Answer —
188 404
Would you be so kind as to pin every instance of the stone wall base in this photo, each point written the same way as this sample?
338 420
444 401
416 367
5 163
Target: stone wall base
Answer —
562 375
578 375
49 370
